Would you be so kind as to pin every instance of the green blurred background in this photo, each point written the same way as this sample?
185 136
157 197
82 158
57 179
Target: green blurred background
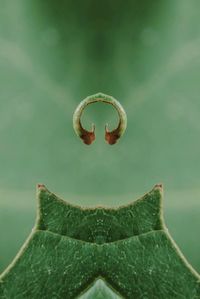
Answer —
55 53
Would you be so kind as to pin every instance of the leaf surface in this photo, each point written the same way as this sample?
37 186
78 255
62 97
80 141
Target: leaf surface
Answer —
123 252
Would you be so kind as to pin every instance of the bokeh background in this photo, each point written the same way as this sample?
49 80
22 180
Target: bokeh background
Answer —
55 53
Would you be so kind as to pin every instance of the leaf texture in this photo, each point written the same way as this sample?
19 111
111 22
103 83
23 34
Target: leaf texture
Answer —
123 252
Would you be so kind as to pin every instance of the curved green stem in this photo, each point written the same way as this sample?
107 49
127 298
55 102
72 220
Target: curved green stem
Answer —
89 136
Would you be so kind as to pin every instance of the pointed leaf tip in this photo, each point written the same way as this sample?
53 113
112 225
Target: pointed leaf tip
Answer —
158 187
41 186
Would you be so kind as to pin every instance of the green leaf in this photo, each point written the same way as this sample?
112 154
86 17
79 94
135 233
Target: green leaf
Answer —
72 248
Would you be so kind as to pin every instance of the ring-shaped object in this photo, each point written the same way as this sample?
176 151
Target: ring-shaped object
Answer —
110 136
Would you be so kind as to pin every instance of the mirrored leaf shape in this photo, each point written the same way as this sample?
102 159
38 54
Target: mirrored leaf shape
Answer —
127 247
100 291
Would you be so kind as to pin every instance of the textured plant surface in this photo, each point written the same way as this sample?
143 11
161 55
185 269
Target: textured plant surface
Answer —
99 253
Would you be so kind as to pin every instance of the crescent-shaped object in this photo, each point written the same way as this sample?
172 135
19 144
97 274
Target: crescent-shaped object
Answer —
89 136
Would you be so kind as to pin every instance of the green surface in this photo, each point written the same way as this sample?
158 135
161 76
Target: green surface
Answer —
99 225
144 53
72 247
100 291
